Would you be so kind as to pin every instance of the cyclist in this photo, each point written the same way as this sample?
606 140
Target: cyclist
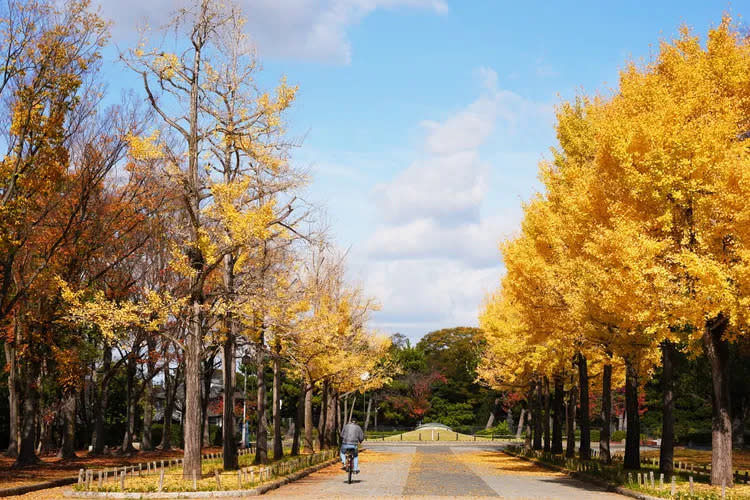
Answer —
351 436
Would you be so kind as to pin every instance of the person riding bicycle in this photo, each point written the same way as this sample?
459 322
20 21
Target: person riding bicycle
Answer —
351 436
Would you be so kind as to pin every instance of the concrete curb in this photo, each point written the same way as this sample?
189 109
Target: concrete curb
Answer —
259 490
588 479
21 490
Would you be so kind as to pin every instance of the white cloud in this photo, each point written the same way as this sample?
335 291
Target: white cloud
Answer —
430 293
448 187
476 244
295 29
434 255
449 180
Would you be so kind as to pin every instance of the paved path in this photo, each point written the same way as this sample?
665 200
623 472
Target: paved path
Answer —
441 471
429 471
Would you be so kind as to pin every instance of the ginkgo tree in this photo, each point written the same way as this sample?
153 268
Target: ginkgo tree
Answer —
675 148
643 227
610 264
220 136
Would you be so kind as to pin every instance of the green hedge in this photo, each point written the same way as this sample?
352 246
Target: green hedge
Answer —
379 434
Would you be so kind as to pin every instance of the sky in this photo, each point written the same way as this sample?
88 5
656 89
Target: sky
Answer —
423 121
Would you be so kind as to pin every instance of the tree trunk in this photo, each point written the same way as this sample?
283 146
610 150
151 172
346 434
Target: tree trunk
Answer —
206 378
606 415
337 423
261 438
367 414
557 422
308 445
717 352
509 421
192 414
666 452
529 432
170 393
13 399
278 445
46 443
97 439
323 416
229 443
101 398
148 417
547 444
584 451
633 433
570 444
27 451
346 412
536 415
86 403
148 396
67 449
299 420
330 422
493 410
351 410
339 420
739 419
127 440
206 426
519 429
490 420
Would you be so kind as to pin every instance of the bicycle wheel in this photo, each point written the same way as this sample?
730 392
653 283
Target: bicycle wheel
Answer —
350 466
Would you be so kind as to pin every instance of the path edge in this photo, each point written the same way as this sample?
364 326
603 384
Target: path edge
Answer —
587 478
260 490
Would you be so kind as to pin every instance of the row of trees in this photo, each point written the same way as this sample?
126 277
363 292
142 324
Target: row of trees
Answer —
638 248
159 234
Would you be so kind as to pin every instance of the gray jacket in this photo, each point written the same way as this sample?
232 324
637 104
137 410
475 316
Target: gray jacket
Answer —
352 434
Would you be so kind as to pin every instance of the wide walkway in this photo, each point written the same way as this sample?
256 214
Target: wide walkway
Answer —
441 471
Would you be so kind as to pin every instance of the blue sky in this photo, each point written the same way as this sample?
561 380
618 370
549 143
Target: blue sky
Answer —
424 121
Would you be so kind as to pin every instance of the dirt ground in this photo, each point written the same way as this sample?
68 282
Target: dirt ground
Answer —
50 468
740 458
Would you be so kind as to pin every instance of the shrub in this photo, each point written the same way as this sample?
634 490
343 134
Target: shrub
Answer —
500 429
618 436
215 435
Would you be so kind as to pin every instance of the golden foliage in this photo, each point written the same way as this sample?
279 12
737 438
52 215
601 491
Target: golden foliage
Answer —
643 232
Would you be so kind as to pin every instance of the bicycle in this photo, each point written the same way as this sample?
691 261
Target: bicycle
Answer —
349 465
